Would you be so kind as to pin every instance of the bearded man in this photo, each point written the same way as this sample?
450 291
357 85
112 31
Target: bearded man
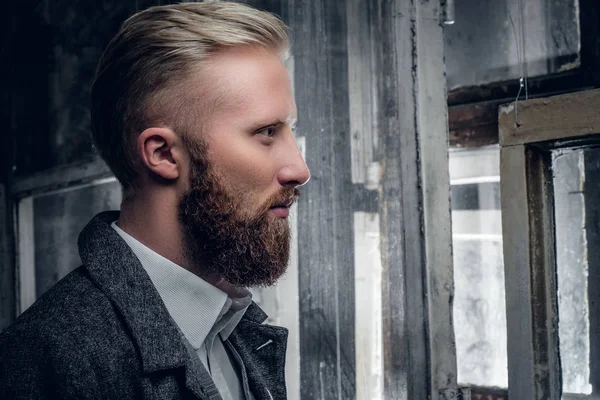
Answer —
192 109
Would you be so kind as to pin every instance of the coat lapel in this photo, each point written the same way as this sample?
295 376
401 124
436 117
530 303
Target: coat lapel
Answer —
262 350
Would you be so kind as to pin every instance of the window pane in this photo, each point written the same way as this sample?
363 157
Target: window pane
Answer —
479 301
484 43
572 264
58 218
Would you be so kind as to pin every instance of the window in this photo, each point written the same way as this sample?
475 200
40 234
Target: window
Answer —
479 300
549 204
52 216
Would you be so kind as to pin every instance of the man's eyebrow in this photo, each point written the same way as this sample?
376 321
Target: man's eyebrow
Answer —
291 121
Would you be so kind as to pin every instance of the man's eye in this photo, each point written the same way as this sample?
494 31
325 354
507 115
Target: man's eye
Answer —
269 131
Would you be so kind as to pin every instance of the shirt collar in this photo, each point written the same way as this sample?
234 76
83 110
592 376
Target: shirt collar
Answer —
194 304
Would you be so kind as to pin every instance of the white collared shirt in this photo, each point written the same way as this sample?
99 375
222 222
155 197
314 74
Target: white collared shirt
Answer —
202 312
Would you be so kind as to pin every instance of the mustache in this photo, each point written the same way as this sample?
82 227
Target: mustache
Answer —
286 197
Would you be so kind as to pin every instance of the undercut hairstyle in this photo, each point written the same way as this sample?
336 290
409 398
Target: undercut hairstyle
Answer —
141 77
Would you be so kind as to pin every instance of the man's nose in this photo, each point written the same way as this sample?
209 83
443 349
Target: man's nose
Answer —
294 171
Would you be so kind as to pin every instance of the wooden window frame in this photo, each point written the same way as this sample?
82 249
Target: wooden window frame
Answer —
529 131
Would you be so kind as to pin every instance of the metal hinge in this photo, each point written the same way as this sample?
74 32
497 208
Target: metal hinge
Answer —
461 393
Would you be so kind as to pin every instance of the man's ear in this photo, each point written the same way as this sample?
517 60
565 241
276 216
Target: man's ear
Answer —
158 149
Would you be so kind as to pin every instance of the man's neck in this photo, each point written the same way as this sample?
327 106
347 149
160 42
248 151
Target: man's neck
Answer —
153 222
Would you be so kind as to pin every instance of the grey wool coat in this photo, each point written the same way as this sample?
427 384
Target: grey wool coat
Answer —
103 332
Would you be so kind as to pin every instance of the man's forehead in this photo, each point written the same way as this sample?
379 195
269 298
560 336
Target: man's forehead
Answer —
268 111
253 83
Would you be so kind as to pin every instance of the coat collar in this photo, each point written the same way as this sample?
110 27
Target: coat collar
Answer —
119 274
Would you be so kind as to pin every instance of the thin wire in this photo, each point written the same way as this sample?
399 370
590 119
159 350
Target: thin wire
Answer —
523 47
522 81
517 43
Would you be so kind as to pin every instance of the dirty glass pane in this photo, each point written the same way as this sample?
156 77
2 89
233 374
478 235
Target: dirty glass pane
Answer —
479 302
58 219
498 40
575 205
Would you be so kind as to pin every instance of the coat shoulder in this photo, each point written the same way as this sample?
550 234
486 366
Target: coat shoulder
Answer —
71 307
69 341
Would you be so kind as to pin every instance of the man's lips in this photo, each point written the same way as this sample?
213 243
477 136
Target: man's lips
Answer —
280 211
281 206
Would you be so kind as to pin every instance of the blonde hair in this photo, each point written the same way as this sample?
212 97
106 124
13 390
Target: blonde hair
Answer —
152 54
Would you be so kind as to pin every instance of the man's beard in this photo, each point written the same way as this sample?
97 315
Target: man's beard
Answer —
221 239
